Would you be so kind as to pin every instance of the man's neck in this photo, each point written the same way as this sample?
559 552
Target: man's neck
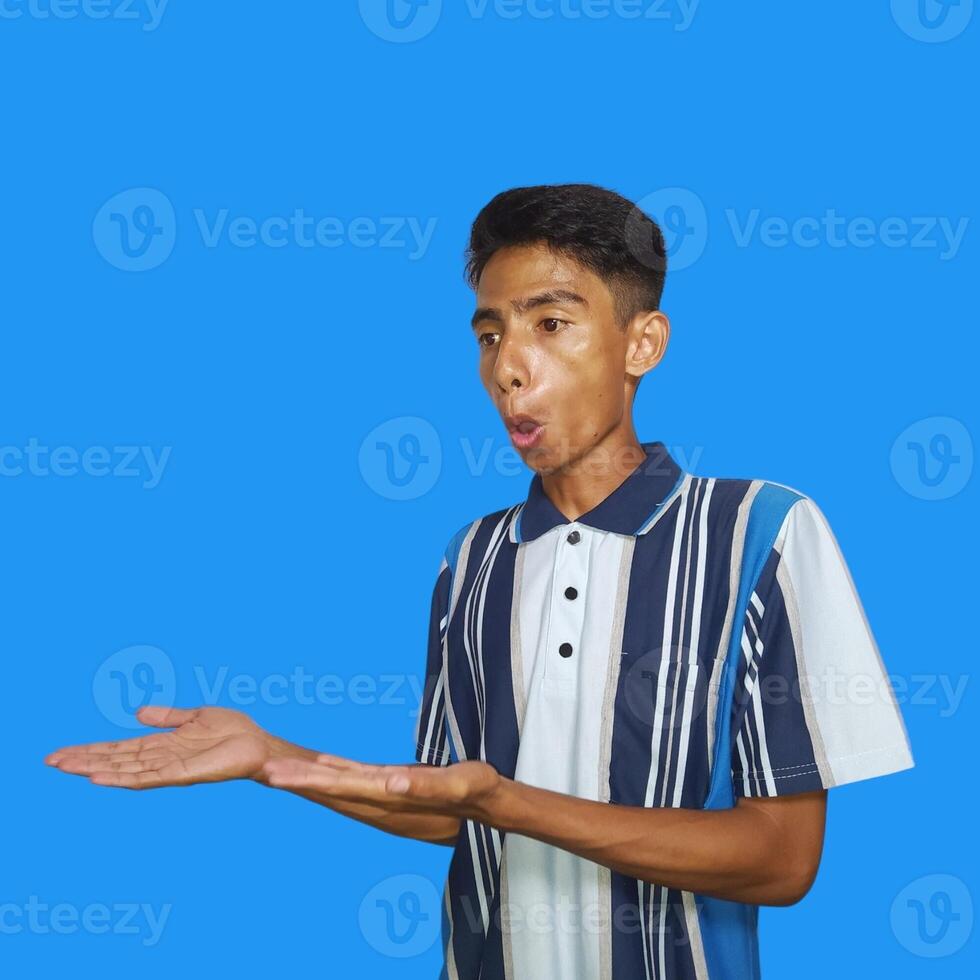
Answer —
586 480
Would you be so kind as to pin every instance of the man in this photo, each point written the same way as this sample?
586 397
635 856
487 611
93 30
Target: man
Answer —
633 705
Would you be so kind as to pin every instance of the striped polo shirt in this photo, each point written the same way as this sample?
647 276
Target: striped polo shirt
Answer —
688 641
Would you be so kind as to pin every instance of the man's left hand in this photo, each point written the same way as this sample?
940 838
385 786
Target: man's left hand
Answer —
460 790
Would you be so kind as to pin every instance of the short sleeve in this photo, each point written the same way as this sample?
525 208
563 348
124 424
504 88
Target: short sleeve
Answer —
431 742
813 705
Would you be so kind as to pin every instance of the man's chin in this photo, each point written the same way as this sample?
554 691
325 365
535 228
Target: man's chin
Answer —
544 459
541 459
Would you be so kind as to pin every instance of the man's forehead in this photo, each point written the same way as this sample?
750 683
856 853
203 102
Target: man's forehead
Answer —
515 273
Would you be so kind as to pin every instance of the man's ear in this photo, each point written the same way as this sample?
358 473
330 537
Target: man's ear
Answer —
647 335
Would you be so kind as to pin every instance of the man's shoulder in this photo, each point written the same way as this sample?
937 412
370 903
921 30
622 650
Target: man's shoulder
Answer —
500 519
737 490
724 493
772 509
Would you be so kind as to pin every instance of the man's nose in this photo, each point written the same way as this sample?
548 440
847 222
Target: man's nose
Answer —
511 368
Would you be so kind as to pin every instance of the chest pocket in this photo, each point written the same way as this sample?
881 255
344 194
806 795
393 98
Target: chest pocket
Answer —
666 690
671 698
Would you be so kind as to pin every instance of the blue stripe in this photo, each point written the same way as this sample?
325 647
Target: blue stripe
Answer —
667 497
729 929
455 545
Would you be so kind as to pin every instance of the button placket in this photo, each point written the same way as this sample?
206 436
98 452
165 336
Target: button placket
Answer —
566 621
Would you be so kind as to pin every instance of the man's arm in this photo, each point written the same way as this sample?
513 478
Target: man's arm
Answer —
762 851
212 745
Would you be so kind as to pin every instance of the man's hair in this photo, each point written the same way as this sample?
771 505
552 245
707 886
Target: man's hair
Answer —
599 228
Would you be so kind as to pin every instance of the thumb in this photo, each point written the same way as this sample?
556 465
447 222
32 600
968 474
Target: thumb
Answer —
159 716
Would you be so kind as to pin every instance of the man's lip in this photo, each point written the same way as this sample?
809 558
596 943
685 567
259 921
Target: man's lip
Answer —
526 440
514 422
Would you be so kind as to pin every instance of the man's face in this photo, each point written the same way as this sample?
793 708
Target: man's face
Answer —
552 349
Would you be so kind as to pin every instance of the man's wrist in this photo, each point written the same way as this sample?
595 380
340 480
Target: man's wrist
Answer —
279 748
493 807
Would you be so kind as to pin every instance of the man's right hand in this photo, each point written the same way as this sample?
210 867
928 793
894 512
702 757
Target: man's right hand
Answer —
211 745
207 745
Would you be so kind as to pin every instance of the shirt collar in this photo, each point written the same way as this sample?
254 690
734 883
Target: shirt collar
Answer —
626 510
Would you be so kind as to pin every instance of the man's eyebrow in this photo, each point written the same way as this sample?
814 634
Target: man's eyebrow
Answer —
547 298
519 306
485 313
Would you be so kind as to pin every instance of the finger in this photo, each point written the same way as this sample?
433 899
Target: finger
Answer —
302 774
350 785
173 773
129 780
158 716
438 785
77 758
53 758
105 748
84 765
131 767
339 762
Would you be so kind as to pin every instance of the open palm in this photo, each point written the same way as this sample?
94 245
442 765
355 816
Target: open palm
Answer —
207 745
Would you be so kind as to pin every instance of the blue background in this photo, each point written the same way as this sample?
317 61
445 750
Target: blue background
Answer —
267 546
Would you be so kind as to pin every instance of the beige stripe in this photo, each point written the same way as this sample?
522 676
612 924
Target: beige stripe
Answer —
461 562
615 660
516 656
505 924
451 970
806 696
694 934
734 573
457 584
604 888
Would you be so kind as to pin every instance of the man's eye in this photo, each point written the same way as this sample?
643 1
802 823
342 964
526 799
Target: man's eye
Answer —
487 339
551 324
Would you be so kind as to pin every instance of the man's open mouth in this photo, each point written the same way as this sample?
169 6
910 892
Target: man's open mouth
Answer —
524 430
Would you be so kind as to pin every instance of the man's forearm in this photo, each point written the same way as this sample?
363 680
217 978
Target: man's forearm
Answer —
428 827
761 851
739 854
433 828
